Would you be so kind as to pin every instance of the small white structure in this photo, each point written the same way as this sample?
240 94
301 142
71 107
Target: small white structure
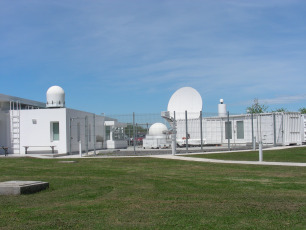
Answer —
29 127
222 109
158 137
55 97
116 135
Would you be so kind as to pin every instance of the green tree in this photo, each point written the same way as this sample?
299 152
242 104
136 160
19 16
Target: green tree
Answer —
302 110
279 110
257 107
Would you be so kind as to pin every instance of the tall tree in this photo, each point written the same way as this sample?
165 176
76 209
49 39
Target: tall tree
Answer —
257 107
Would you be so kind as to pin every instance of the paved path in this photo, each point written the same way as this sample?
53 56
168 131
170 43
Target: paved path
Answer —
228 161
169 156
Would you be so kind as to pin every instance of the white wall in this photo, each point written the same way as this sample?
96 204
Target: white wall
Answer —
39 134
87 135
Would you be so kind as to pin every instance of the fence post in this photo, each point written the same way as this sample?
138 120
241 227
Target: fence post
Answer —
260 142
228 130
186 131
174 135
201 129
80 148
70 137
86 134
253 139
94 123
134 141
274 128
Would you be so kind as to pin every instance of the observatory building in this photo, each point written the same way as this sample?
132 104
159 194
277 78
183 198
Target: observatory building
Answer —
33 127
185 105
157 138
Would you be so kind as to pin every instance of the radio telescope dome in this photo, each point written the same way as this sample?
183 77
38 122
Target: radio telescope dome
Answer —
55 97
157 129
185 99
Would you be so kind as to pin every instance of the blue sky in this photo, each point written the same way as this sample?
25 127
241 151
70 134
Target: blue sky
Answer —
123 56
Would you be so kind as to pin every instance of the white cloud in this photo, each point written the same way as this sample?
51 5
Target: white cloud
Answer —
284 100
244 49
279 100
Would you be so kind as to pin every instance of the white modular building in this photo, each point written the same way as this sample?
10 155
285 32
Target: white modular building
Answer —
288 128
33 127
272 128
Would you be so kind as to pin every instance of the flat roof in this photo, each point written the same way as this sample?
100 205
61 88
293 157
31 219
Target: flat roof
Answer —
8 98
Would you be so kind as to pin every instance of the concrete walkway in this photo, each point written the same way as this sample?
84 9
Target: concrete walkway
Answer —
171 157
182 158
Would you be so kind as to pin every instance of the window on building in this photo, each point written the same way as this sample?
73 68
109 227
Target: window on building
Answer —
240 130
107 132
228 130
54 131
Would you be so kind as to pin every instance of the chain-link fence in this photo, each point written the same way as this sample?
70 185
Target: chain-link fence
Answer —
137 126
210 131
194 132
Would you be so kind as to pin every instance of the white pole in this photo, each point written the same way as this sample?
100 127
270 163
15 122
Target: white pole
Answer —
260 142
173 135
80 148
94 121
260 151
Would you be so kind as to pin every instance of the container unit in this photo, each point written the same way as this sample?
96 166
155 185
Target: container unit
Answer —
292 129
271 128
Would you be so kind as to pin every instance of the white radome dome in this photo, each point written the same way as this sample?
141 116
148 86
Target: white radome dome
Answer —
55 97
185 99
157 129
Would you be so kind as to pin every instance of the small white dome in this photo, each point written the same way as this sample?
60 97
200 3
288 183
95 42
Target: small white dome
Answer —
55 97
157 129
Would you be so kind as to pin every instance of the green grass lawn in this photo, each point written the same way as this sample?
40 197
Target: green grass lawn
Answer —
148 193
297 154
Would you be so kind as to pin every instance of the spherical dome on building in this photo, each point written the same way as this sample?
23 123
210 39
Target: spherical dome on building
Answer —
157 129
55 97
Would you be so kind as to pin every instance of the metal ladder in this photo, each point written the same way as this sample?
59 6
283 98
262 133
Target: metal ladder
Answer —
15 126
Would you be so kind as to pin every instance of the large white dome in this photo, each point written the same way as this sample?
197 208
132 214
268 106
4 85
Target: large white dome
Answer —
157 129
185 99
55 97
